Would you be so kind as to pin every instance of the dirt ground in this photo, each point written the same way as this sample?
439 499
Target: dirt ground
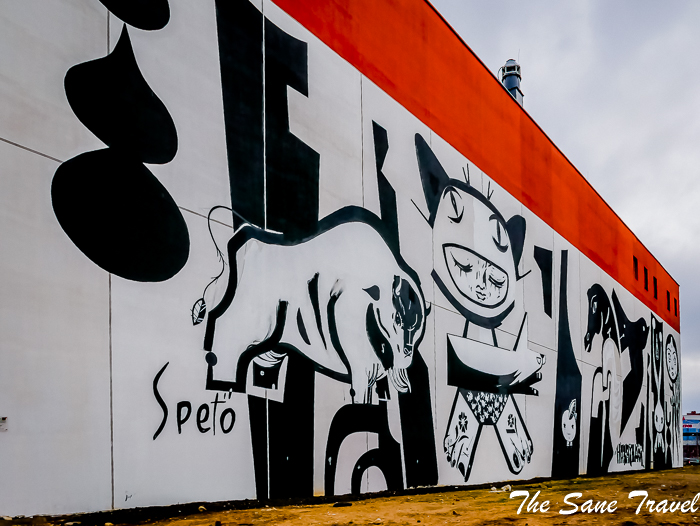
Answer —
464 507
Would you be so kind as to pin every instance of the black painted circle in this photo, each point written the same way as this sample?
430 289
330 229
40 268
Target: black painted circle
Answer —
211 358
116 211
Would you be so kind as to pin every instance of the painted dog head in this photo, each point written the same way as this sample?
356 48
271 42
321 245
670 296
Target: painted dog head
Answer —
477 252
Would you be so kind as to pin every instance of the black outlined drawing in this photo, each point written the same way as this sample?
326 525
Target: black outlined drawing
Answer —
311 297
614 398
566 442
479 281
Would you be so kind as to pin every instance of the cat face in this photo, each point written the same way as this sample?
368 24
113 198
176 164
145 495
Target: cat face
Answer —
476 251
473 253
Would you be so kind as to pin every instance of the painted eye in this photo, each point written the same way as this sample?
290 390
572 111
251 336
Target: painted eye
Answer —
456 207
498 233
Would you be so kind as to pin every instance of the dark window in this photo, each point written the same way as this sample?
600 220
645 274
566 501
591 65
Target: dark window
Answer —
635 264
646 279
675 307
656 295
668 300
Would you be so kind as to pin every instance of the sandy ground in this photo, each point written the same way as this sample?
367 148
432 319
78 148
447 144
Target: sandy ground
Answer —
480 506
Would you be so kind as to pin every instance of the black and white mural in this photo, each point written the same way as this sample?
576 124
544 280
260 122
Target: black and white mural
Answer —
335 300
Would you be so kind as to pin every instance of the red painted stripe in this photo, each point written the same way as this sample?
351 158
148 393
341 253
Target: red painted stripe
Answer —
409 51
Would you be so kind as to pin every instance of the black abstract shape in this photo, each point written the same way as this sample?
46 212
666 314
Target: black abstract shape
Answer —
600 317
313 296
432 175
199 311
302 328
640 430
113 100
633 337
387 194
358 418
116 211
565 451
266 377
373 292
258 417
160 401
292 166
378 341
143 14
291 433
516 227
417 433
240 33
543 258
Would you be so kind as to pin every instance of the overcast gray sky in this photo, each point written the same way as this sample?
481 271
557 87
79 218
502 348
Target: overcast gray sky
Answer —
616 86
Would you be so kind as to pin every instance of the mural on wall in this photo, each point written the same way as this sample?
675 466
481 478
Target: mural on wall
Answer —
353 280
479 281
333 297
135 230
566 442
302 298
615 396
674 438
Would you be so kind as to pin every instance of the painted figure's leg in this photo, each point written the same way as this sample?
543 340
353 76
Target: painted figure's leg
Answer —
462 435
514 438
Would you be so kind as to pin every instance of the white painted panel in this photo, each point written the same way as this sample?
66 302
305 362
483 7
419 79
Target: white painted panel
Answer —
39 43
330 396
542 325
538 412
152 327
54 353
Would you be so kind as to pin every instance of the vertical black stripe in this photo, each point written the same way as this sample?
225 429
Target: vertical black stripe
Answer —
240 32
313 296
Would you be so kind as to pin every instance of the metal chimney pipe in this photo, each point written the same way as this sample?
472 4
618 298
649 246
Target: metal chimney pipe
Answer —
510 78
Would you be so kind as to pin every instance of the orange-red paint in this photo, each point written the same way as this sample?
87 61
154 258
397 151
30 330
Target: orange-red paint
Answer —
409 51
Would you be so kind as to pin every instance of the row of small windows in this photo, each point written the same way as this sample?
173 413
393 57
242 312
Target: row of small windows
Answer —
635 264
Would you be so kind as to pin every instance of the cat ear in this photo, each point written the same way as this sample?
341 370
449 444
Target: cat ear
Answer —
373 292
516 233
432 175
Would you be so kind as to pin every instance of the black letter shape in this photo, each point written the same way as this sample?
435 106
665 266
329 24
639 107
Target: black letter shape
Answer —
240 30
204 408
292 166
143 14
543 258
160 400
387 194
182 419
